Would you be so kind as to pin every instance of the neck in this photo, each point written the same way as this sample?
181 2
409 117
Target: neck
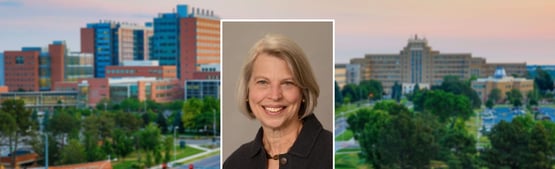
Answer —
279 140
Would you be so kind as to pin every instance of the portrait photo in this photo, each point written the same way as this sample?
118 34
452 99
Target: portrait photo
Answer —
277 93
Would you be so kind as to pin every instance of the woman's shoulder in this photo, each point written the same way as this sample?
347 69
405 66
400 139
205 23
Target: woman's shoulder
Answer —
241 155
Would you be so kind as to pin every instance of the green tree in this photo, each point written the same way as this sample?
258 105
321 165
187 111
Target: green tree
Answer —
372 89
150 137
358 120
62 125
191 109
104 104
130 104
393 137
168 145
406 142
352 92
515 97
122 143
338 95
73 153
509 144
540 149
495 95
210 115
22 116
453 84
148 117
489 104
447 106
543 80
162 122
176 105
177 122
7 124
458 148
369 135
396 91
127 121
533 97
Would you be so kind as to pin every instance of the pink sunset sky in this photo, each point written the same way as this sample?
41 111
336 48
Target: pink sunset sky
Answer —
498 30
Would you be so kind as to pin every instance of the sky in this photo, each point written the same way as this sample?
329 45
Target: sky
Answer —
498 30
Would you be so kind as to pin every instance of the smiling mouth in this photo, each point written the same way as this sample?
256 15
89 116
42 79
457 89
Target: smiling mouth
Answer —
274 109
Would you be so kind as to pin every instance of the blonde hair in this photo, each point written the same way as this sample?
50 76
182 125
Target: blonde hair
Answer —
286 49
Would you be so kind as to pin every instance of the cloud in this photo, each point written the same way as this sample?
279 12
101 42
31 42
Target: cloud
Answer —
11 4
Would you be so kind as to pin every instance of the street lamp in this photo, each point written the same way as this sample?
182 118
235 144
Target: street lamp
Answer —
214 128
42 122
175 140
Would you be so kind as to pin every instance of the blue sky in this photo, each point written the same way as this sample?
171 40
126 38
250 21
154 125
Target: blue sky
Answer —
499 30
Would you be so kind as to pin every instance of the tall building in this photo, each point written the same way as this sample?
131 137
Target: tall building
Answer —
22 70
114 42
418 63
38 69
187 39
340 74
78 66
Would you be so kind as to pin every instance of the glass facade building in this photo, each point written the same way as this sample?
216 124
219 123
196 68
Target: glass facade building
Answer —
202 88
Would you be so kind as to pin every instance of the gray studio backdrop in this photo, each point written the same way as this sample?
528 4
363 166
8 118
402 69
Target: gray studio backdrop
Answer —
316 39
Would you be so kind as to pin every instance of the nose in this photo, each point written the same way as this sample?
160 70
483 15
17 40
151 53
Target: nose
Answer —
275 93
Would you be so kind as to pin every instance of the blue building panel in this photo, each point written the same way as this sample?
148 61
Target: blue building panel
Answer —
202 88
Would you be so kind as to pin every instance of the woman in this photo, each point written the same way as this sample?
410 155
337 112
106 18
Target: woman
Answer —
277 87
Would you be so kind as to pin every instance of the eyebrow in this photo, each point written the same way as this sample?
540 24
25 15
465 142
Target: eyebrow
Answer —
263 77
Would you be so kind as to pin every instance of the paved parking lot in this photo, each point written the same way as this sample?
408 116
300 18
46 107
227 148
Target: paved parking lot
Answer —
492 117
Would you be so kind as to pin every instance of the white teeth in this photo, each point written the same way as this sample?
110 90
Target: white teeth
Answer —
277 109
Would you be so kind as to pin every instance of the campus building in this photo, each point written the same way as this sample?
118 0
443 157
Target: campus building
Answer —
78 66
187 38
347 74
141 69
419 63
340 75
503 82
202 88
38 69
43 100
142 89
114 42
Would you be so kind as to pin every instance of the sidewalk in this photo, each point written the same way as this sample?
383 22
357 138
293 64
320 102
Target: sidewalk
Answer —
206 151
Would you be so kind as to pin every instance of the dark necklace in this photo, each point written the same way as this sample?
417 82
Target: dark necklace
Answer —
275 157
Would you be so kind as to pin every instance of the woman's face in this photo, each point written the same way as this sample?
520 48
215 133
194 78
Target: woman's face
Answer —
273 97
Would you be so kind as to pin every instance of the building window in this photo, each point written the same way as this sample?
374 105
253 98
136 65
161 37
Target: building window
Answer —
19 60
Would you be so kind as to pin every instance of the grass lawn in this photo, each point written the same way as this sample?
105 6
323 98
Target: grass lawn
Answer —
344 108
348 160
347 135
132 158
349 109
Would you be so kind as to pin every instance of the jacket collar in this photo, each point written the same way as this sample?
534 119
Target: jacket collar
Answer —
302 146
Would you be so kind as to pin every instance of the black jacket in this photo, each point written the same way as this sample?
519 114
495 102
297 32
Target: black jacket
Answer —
311 150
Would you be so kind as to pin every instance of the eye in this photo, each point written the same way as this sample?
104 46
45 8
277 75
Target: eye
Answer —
289 83
261 82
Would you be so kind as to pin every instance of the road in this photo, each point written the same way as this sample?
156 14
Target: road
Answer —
212 162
